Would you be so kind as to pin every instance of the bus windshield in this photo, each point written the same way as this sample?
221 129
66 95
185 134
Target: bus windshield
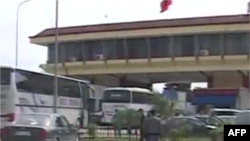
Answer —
5 76
117 96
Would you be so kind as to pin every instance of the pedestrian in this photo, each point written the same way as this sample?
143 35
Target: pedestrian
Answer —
152 128
117 124
142 119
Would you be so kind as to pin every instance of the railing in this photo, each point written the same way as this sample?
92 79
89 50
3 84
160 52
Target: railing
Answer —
109 134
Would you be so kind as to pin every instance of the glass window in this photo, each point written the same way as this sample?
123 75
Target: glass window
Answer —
32 82
51 54
33 119
60 122
72 52
210 44
61 53
159 47
111 49
85 91
68 88
137 48
141 98
184 45
5 76
94 50
236 43
117 96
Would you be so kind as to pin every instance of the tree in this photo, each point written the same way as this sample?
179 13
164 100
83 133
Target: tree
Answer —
163 106
127 118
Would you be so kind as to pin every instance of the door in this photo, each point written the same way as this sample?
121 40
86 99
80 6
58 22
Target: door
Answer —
70 130
63 129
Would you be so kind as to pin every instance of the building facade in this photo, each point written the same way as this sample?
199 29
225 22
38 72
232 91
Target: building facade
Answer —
213 49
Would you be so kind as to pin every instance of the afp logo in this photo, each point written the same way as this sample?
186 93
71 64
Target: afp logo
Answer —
236 131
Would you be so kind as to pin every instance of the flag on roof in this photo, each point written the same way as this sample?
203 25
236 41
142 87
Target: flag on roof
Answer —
165 5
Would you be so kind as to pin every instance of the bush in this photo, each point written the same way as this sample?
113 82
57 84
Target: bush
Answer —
92 130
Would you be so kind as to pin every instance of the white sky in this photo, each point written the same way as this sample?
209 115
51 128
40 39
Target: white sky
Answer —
37 15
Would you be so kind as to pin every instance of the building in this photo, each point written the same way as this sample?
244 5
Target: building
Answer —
212 49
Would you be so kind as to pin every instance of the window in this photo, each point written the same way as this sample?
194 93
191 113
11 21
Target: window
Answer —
115 49
51 54
117 96
159 47
184 45
33 119
137 48
5 76
236 43
211 43
85 94
72 52
94 49
35 83
61 122
141 98
68 88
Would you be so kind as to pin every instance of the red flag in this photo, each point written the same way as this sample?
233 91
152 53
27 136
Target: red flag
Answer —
165 5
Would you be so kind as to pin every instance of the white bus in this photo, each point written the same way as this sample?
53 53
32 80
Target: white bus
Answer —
26 91
121 98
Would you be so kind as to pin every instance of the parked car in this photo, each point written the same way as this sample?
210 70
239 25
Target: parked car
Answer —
243 118
214 121
195 126
39 127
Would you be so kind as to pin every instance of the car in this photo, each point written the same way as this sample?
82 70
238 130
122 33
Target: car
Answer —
243 118
214 121
39 127
194 125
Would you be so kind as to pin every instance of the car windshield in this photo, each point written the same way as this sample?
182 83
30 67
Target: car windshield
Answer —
33 119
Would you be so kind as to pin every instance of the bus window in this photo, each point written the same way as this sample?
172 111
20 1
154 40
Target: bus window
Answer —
117 96
68 88
5 76
141 98
32 82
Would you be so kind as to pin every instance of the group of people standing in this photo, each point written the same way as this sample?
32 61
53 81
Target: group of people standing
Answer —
149 127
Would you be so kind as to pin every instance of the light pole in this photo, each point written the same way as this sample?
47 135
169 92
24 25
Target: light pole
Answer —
17 24
56 57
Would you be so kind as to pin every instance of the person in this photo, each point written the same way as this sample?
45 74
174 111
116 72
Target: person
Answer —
142 119
117 124
152 128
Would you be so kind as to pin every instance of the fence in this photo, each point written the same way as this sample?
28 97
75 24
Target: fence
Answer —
108 134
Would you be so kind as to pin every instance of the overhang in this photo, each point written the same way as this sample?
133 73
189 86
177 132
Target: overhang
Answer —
145 28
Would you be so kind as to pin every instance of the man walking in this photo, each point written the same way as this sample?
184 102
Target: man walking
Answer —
117 124
142 119
152 127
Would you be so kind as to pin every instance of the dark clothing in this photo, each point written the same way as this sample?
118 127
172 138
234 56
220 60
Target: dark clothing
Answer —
152 137
152 128
142 119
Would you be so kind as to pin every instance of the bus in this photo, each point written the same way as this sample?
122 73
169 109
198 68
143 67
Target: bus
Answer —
122 98
25 91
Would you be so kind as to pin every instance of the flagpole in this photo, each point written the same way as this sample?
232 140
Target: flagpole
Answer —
56 58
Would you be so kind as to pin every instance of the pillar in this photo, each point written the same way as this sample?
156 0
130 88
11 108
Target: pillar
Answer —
245 81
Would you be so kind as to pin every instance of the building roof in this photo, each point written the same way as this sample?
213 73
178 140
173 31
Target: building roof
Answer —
228 19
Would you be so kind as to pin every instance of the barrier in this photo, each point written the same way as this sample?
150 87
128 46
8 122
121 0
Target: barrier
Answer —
108 133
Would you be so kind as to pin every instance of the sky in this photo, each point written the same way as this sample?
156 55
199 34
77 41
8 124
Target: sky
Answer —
38 15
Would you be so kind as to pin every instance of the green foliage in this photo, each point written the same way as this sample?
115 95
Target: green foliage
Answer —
92 130
163 106
127 118
178 133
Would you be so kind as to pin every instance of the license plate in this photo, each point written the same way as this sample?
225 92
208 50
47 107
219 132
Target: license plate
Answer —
23 133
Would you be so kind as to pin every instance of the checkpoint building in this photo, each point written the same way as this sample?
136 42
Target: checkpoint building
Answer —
213 49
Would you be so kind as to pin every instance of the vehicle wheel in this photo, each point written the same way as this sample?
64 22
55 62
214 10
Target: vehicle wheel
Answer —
57 139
